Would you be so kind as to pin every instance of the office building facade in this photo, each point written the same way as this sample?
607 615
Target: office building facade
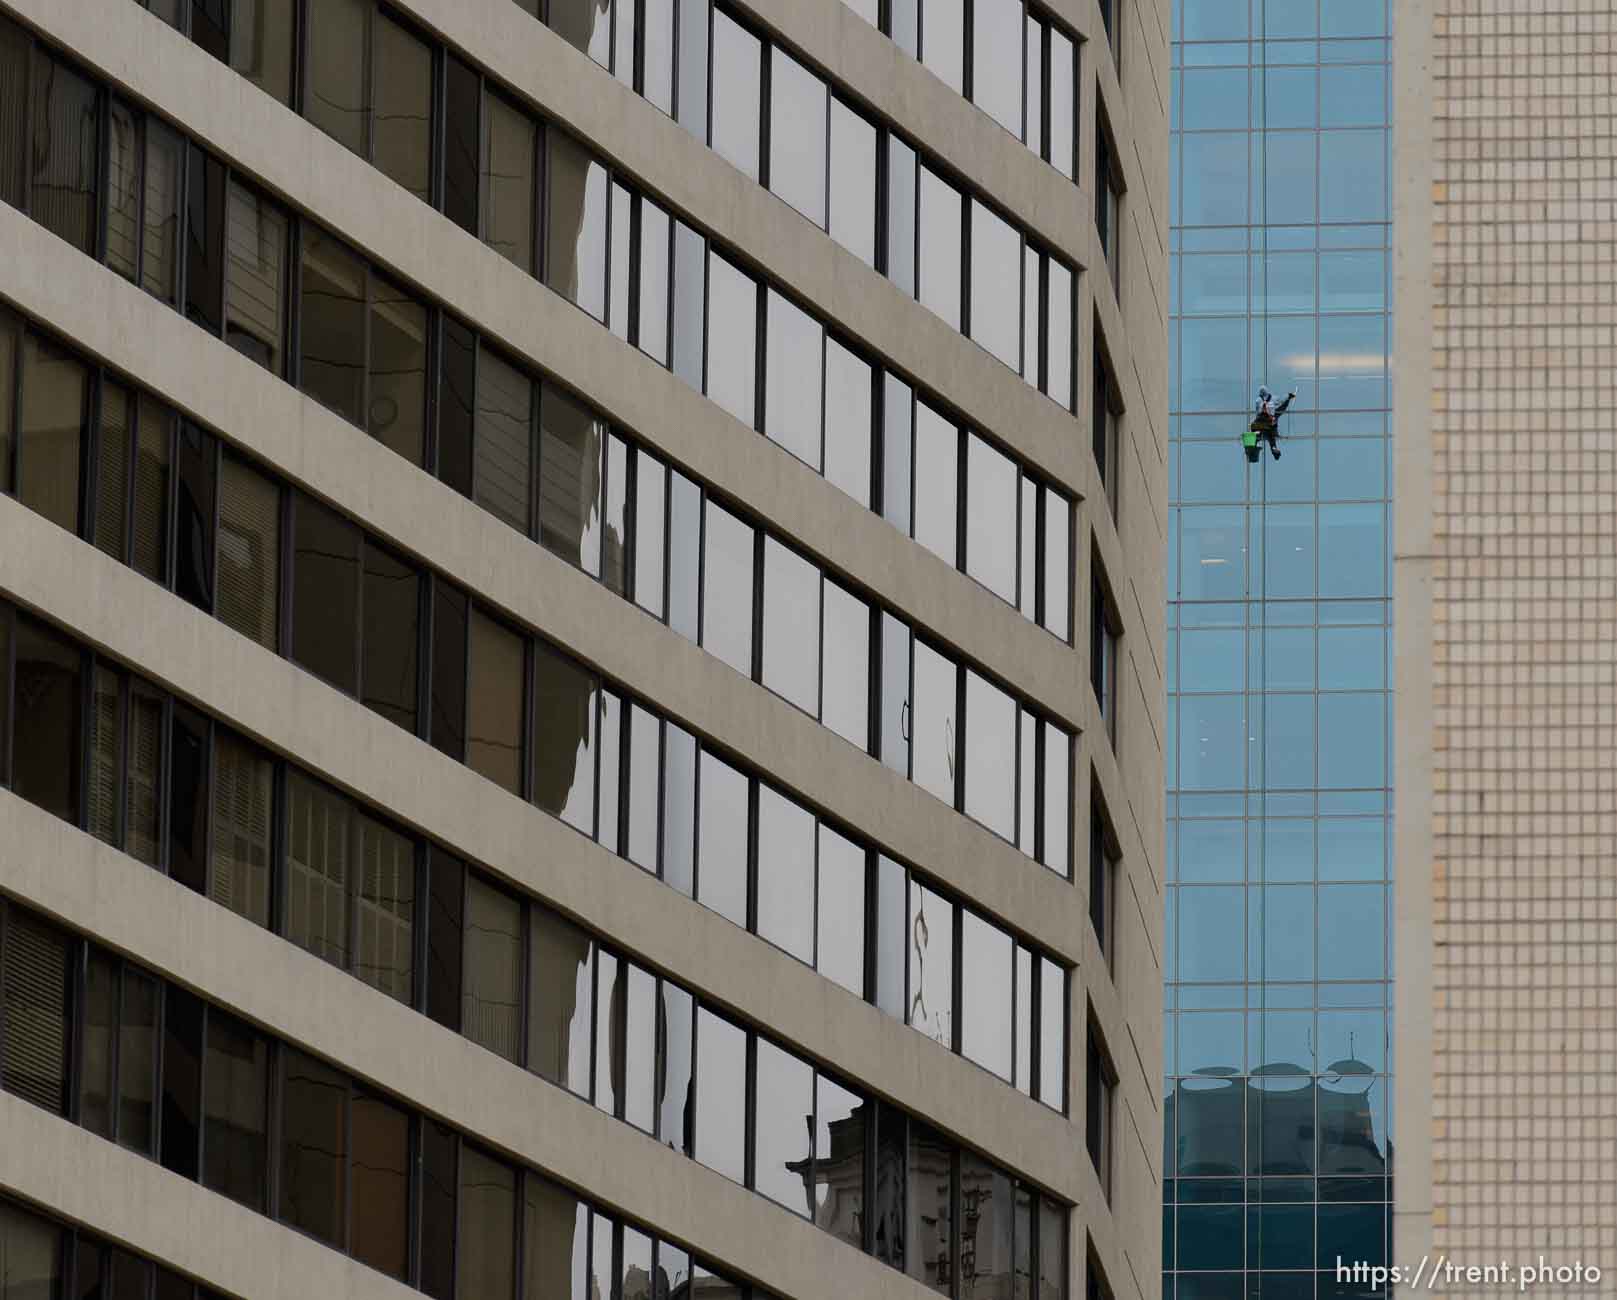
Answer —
1277 1154
1505 1009
581 689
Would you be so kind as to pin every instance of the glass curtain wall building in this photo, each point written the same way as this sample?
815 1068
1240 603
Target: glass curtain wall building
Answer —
1277 1145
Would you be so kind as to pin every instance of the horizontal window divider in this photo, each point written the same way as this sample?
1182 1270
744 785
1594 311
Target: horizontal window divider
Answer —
362 206
189 941
453 806
277 425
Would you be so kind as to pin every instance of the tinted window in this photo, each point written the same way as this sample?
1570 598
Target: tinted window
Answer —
559 1000
445 936
485 1255
165 166
336 100
381 1184
180 1126
509 137
1057 796
462 97
503 456
386 909
554 1232
319 850
392 604
571 446
325 593
494 703
249 552
675 1095
255 277
47 720
645 761
243 826
650 510
839 1161
332 332
397 402
679 808
448 730
204 239
656 235
65 152
928 1241
563 739
34 980
137 1063
235 1093
50 433
32 1250
575 224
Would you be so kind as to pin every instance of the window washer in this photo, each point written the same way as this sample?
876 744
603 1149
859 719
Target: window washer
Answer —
1265 426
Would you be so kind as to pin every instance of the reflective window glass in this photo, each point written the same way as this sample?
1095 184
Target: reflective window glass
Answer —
840 911
584 24
901 214
249 552
990 754
845 693
658 54
986 954
991 490
684 555
639 1048
255 276
463 95
791 634
572 443
736 113
319 851
575 224
32 1250
786 889
314 1147
721 865
235 1096
560 1002
849 393
392 612
401 129
380 1179
996 64
1057 797
721 1095
732 340
243 827
938 246
563 739
943 40
47 720
797 135
507 189
502 465
931 964
331 335
554 1232
1059 326
674 1079
792 385
783 1127
448 731
852 220
932 724
337 98
50 431
1063 95
65 155
840 1129
727 588
165 168
937 467
325 593
929 1239
645 761
485 1254
397 402
996 281
494 702
656 234
491 990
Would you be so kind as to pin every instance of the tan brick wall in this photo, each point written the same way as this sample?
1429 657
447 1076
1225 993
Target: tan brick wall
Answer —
1522 725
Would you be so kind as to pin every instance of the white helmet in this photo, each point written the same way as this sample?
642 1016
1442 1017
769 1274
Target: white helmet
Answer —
1265 394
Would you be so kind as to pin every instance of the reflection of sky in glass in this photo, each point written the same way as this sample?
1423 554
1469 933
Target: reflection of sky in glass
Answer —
1278 760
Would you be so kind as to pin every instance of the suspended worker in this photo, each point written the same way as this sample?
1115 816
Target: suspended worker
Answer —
1265 426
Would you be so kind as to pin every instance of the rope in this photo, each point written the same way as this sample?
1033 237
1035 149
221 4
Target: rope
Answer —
1263 610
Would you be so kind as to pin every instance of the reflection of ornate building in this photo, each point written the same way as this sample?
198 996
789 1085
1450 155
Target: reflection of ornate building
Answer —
1276 1123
